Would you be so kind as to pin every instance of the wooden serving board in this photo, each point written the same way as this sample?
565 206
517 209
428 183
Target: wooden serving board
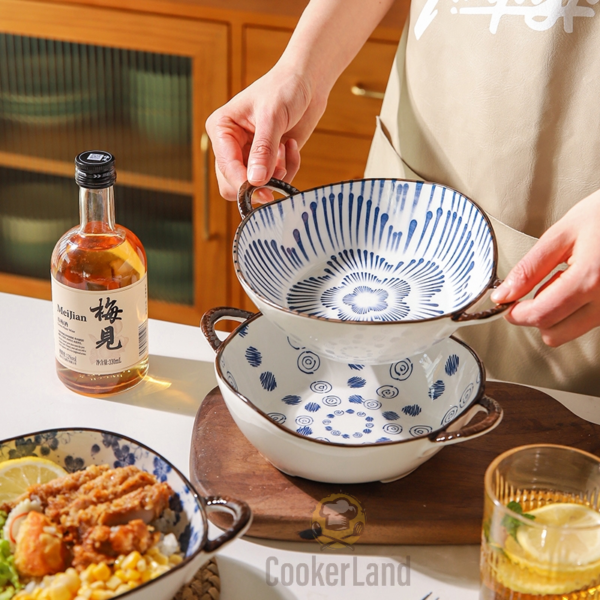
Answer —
439 503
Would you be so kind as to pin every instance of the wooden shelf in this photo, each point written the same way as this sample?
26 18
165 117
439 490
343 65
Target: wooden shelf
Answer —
139 163
38 288
57 167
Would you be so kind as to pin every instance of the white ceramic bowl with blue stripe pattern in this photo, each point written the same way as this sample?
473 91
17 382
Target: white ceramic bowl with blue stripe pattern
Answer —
76 448
346 423
368 270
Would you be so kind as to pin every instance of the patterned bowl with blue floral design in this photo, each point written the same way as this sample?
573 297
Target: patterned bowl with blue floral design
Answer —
346 423
76 448
367 270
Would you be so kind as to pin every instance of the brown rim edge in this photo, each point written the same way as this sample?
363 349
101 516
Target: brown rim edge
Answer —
242 518
494 416
484 314
211 317
244 197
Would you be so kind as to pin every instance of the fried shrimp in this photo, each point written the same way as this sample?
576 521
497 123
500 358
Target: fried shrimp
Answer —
41 549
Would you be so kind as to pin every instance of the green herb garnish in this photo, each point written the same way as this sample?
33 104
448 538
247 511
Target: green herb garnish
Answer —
510 523
9 578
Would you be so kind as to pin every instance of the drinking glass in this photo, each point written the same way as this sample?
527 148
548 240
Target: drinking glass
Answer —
541 525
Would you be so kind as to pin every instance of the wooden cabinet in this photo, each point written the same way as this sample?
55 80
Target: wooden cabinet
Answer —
140 80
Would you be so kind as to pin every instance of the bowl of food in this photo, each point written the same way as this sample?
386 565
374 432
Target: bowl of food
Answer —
314 417
367 270
94 514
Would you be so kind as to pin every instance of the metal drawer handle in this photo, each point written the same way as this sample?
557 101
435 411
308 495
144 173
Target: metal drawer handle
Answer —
358 90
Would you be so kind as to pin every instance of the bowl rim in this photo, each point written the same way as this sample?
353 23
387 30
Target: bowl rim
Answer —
197 497
278 307
249 403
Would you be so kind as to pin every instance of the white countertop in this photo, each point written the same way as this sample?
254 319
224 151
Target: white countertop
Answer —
160 413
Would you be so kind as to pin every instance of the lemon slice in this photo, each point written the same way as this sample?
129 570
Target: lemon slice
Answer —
572 538
18 474
558 559
126 259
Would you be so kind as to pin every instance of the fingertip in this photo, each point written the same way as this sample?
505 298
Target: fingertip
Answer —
502 293
257 174
264 196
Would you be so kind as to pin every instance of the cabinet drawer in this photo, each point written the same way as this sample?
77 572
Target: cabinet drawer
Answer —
328 158
346 112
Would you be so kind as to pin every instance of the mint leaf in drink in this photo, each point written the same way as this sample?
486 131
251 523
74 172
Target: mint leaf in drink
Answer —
510 523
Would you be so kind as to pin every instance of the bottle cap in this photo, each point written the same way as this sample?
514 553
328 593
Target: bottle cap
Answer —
95 169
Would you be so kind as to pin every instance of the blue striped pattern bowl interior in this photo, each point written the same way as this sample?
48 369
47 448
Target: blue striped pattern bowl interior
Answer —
368 250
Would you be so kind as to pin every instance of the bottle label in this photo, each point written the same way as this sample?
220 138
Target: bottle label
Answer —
99 333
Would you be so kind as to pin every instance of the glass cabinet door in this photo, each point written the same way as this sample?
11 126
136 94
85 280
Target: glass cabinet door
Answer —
143 96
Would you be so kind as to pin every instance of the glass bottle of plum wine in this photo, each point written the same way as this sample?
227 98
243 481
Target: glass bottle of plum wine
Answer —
99 290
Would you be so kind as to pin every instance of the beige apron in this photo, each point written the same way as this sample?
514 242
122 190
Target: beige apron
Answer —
500 100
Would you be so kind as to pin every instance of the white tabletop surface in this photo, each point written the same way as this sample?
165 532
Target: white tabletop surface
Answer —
160 413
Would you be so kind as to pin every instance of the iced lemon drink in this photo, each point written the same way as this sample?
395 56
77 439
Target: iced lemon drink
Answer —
541 542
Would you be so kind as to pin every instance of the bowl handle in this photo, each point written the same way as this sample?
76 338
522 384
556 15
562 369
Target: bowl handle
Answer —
489 315
244 198
213 316
242 517
493 418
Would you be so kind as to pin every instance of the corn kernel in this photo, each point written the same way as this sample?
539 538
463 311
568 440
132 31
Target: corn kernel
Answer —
98 585
71 580
133 575
146 575
131 560
102 595
102 572
86 575
175 559
85 591
152 551
122 589
113 583
121 574
161 559
57 591
141 565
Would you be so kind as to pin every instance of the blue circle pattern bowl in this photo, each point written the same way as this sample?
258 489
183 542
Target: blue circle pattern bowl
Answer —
350 403
75 449
291 403
365 252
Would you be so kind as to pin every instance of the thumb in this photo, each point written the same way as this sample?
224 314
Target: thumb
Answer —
550 250
262 159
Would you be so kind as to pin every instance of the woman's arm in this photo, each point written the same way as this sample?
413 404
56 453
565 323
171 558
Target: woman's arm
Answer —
258 133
